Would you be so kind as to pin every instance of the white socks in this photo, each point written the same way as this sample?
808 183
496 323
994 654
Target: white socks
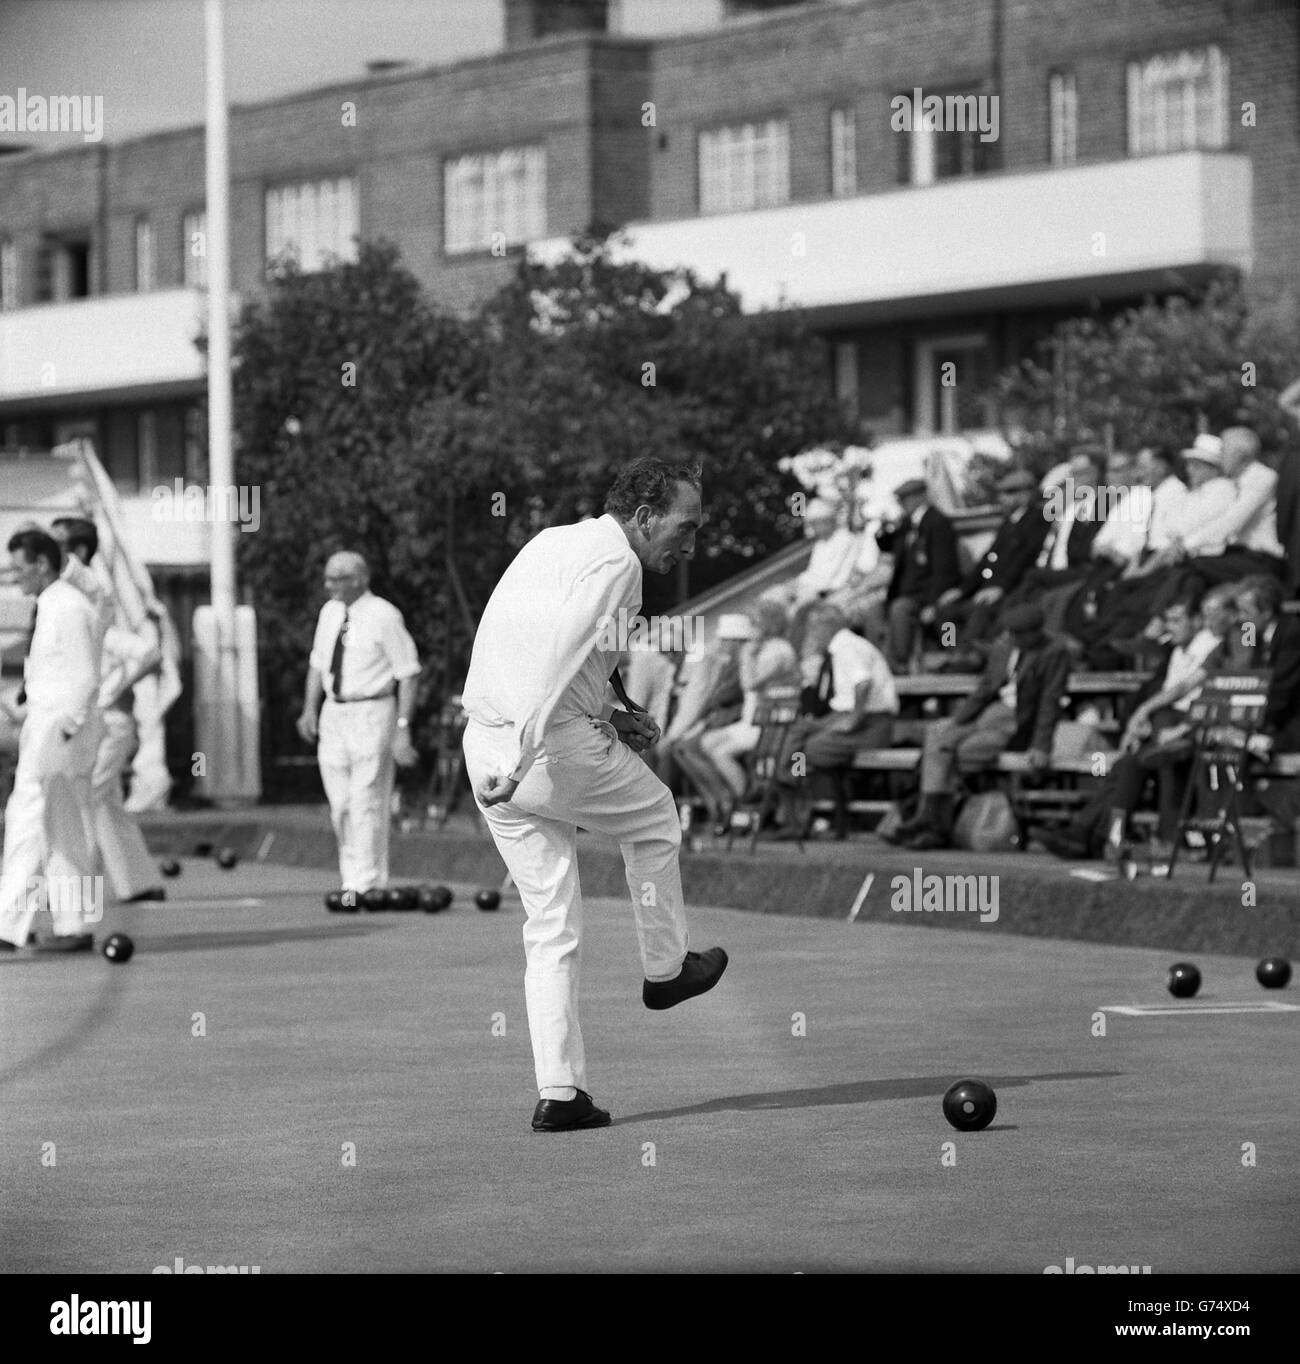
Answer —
561 1092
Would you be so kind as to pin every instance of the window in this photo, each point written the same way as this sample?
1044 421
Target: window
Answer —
194 250
844 156
8 275
846 376
147 447
1178 101
312 222
1063 117
63 269
496 199
945 146
746 166
951 377
144 276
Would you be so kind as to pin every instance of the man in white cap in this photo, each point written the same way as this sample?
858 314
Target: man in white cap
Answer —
361 691
547 753
46 841
835 553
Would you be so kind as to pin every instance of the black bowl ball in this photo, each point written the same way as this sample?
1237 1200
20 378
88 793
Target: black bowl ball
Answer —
375 898
170 867
488 899
1183 980
334 902
970 1105
118 948
203 849
227 858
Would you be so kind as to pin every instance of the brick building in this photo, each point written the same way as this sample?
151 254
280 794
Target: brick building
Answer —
1138 148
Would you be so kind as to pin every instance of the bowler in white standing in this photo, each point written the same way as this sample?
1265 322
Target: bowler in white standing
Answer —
361 687
548 753
47 816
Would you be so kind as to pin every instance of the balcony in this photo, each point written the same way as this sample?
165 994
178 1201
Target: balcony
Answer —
124 346
1028 239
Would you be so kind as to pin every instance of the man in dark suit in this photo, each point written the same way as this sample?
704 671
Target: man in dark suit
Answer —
1014 707
924 549
1276 646
974 605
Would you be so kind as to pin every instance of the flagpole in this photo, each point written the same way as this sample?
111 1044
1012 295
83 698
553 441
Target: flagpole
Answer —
224 769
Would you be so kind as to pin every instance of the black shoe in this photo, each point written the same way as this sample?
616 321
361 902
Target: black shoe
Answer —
7 946
1066 845
701 971
72 942
567 1115
153 893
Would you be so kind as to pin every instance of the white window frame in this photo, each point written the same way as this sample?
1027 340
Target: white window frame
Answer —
744 166
1173 106
493 198
194 268
844 152
8 274
1063 117
314 221
145 269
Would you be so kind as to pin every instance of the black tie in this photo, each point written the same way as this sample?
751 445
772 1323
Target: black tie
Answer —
31 634
336 659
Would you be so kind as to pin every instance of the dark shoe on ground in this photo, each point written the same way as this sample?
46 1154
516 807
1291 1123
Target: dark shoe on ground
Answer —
72 942
1065 844
6 946
153 893
568 1115
700 972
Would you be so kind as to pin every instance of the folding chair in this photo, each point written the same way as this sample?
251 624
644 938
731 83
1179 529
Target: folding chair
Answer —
447 779
1226 715
775 715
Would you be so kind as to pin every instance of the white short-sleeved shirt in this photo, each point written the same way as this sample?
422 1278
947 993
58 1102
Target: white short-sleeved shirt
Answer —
377 652
855 660
61 671
1184 660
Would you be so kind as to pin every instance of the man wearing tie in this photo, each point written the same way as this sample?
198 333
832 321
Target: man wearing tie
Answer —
364 668
46 818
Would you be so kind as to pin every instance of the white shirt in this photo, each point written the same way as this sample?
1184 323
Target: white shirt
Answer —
831 564
377 652
87 581
1007 691
1057 553
1248 518
1186 659
855 660
61 671
1200 509
1167 499
540 654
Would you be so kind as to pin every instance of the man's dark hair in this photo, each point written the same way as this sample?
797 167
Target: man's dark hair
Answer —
1268 589
650 483
37 544
81 534
1190 602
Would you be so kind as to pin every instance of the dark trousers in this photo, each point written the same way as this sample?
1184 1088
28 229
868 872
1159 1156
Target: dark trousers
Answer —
1121 789
1197 576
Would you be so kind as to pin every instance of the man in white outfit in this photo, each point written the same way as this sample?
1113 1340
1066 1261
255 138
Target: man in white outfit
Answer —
547 753
364 667
46 818
127 657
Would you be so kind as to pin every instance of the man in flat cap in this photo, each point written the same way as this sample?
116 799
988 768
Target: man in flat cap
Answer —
1014 708
923 545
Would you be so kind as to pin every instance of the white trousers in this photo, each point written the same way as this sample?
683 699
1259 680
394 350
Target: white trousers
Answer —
126 860
727 744
583 778
46 822
355 754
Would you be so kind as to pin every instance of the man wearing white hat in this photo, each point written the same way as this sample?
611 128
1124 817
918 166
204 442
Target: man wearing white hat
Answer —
835 553
361 690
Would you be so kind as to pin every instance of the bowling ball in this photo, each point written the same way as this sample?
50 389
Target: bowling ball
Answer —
427 900
1183 980
334 902
227 858
118 948
410 897
445 897
374 899
170 867
970 1105
394 898
488 899
1273 973
351 901
203 849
